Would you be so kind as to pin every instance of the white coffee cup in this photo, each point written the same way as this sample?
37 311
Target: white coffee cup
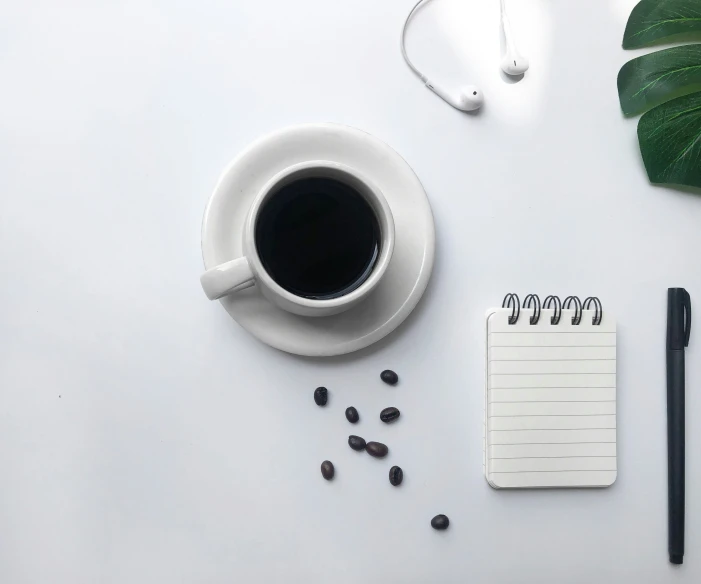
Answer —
241 273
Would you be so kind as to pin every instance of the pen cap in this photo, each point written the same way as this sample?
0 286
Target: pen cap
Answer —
678 318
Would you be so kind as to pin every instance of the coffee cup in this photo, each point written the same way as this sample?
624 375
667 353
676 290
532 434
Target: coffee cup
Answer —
317 240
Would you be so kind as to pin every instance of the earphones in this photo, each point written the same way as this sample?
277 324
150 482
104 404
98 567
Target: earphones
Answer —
469 97
512 63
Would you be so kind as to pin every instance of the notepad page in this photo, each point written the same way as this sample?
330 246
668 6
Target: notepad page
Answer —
550 401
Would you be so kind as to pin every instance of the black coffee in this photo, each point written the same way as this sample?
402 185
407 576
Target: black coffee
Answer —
318 238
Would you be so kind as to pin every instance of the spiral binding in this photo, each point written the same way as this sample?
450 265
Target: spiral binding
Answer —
512 301
533 301
577 318
598 311
557 313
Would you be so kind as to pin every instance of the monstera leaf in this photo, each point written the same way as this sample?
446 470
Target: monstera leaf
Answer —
653 20
655 78
670 141
669 82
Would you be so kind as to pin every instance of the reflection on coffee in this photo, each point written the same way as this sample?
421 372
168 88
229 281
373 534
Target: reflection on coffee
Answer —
318 238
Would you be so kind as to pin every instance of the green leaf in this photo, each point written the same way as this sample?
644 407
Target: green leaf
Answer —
652 79
653 20
670 141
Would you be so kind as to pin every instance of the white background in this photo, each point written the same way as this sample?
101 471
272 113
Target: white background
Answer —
145 437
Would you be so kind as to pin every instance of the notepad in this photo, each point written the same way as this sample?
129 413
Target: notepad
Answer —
550 399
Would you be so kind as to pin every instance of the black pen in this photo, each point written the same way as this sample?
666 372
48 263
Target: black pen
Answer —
678 330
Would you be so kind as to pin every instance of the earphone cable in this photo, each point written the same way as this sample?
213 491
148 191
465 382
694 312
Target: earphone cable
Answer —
403 44
403 37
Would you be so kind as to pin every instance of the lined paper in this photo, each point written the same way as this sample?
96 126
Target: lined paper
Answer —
550 401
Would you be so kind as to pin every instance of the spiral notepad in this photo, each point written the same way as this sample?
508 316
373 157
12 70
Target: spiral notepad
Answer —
550 394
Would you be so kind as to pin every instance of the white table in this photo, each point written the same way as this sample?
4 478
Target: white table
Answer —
144 437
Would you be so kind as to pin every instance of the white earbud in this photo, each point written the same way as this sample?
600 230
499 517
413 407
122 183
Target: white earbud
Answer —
512 63
468 99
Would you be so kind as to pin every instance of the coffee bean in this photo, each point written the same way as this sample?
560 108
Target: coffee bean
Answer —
376 449
389 415
389 376
352 415
356 443
327 470
396 475
440 522
321 396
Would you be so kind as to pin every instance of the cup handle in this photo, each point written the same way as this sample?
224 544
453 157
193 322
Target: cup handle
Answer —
227 278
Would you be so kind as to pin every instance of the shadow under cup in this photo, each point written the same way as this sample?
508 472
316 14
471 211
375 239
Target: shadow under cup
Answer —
317 235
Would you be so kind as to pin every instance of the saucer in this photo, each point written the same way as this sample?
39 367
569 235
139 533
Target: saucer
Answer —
406 277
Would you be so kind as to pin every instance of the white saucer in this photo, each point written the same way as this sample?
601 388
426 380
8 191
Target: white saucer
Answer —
406 277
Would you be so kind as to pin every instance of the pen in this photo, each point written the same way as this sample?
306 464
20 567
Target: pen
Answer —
678 330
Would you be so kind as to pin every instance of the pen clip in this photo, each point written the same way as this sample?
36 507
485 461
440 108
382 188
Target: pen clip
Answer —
687 318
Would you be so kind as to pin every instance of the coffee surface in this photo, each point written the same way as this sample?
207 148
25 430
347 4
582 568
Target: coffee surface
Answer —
317 238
